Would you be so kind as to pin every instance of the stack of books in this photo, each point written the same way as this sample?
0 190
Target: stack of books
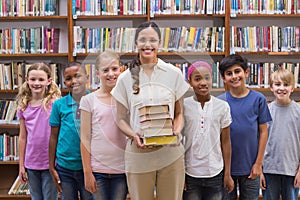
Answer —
19 188
156 125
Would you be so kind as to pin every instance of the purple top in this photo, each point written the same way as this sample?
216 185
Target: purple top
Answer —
38 133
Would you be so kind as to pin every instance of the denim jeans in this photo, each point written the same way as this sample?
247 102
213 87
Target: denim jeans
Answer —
72 183
280 184
111 186
41 185
248 189
203 188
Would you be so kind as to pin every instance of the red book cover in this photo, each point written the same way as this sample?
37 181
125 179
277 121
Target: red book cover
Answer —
121 7
4 9
46 39
261 74
83 7
269 38
77 4
54 40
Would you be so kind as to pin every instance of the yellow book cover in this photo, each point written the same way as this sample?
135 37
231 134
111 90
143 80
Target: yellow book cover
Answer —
191 38
166 39
161 140
107 33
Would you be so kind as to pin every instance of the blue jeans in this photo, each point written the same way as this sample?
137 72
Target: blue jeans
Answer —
72 182
248 188
111 186
280 184
203 188
41 185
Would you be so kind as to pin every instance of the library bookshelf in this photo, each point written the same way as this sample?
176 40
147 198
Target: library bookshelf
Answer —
236 24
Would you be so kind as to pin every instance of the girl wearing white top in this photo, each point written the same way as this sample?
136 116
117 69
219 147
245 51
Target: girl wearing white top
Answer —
207 138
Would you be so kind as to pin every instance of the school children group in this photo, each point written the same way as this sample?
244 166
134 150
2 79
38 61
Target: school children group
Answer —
88 145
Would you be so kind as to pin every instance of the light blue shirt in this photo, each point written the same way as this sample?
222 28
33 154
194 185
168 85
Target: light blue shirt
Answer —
66 115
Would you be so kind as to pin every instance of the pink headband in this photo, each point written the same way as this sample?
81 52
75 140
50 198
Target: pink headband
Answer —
196 65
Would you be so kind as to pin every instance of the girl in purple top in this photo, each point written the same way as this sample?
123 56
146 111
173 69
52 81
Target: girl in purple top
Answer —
34 101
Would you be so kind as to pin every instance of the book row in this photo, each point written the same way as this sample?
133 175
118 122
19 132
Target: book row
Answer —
134 7
12 74
187 7
9 147
8 110
260 73
108 7
31 40
265 7
20 8
178 39
267 38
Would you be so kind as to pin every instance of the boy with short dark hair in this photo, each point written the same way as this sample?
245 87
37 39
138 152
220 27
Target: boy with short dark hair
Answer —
65 162
248 130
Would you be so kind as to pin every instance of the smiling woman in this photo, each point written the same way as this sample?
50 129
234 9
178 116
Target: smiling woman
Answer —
151 82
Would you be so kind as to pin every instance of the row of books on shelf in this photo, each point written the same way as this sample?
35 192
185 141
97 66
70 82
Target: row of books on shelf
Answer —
12 74
176 39
266 38
187 7
265 7
129 7
9 147
29 40
8 110
28 8
19 188
260 73
108 7
92 40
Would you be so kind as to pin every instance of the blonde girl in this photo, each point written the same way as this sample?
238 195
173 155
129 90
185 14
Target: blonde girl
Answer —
102 142
34 101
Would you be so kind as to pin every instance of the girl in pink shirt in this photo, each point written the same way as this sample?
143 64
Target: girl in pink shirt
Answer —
102 142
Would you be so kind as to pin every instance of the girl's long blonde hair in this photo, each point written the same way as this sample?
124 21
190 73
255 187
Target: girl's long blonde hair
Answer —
25 96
